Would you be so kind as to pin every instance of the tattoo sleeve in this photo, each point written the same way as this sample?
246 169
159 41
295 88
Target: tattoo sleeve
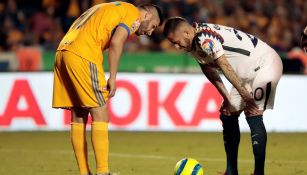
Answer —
232 76
214 77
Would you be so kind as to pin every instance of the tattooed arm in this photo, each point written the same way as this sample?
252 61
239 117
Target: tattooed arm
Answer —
235 80
214 77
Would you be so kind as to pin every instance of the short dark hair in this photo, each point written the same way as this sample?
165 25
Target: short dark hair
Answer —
160 13
171 24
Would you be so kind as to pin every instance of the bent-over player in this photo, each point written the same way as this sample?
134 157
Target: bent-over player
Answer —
250 65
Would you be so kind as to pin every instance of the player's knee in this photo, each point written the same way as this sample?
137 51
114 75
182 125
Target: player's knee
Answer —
79 115
259 112
100 114
234 113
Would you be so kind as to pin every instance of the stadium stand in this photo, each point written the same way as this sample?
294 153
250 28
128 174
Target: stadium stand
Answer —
42 23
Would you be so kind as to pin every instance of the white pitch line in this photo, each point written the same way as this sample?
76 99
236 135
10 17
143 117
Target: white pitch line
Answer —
158 157
124 155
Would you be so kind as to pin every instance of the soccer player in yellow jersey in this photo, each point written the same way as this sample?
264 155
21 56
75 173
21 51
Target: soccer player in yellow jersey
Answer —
79 81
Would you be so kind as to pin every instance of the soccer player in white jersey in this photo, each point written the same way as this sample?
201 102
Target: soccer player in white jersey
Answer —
249 64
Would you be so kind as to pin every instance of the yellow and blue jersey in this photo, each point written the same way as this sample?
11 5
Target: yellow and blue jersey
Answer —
92 31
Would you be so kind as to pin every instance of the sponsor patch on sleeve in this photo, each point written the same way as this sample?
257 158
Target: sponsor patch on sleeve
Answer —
207 45
135 25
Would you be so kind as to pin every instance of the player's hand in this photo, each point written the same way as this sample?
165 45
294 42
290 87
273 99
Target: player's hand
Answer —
227 108
111 86
250 108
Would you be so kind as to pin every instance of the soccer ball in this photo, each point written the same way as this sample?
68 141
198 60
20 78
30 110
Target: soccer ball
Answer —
188 166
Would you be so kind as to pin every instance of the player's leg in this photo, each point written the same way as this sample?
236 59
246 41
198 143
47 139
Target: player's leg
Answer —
258 133
65 96
100 116
100 138
231 132
81 83
231 137
79 118
257 128
259 140
264 89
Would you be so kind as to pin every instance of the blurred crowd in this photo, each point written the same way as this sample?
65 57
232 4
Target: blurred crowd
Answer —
44 22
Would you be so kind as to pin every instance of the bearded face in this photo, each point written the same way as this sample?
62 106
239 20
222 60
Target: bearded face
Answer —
142 29
148 26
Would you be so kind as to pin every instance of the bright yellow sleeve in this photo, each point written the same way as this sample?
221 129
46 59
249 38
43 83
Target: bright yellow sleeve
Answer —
93 30
131 21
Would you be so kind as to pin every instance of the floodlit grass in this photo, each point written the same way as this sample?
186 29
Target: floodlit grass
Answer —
147 153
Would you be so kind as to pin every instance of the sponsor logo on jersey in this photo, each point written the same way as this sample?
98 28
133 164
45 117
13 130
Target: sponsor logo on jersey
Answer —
135 25
207 46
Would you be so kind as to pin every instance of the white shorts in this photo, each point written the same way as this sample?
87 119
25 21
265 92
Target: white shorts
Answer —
263 85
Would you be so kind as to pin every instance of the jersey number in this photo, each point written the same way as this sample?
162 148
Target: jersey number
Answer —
253 39
259 94
84 18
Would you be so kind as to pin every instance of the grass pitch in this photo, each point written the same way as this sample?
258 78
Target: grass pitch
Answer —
147 153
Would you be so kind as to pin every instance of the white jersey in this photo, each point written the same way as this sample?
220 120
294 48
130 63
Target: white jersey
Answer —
243 51
256 63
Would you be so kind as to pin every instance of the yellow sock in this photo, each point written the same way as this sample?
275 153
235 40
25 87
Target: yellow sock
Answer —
79 144
100 141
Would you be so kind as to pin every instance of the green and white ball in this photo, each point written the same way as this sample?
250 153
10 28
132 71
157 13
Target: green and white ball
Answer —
188 166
